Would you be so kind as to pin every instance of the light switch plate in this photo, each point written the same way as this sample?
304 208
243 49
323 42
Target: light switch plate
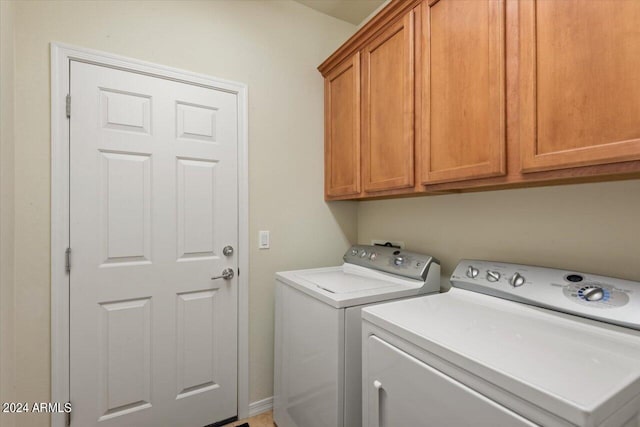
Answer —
263 239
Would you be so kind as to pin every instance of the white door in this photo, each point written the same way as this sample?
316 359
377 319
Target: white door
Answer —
154 200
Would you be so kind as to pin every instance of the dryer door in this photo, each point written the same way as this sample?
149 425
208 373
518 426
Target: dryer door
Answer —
401 390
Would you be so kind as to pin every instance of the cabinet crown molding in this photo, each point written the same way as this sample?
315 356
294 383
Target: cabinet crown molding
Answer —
392 11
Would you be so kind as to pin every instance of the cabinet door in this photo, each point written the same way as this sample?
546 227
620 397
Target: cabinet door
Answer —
579 83
342 129
388 109
400 390
463 90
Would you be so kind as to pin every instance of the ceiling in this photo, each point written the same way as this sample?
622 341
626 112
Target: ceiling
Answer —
353 11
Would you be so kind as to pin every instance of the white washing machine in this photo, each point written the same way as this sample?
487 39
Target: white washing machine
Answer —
318 353
486 354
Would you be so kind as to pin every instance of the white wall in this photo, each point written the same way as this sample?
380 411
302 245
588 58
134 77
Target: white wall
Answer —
586 227
274 47
6 207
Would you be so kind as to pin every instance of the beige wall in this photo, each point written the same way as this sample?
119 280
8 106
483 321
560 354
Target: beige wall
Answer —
274 47
6 206
586 227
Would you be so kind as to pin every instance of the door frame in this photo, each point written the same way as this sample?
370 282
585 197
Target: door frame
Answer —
61 56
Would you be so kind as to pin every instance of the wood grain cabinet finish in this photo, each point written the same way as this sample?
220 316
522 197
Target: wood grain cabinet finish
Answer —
342 129
463 133
388 108
435 96
579 83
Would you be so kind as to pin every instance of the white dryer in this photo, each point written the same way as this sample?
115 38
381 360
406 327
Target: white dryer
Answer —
509 345
318 353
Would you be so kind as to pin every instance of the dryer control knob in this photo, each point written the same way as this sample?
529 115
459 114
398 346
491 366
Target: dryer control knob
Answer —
493 276
593 294
517 280
472 272
398 260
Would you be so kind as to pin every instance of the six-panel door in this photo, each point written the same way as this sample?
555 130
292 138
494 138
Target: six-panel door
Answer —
463 95
579 83
154 199
342 129
388 108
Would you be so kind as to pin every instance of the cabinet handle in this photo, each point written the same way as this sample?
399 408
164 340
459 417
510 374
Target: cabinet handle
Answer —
376 410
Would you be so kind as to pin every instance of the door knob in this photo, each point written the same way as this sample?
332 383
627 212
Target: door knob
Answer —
227 251
227 274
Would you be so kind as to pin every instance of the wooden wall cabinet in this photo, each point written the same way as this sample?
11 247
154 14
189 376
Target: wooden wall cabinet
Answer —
388 108
461 95
342 129
580 83
463 90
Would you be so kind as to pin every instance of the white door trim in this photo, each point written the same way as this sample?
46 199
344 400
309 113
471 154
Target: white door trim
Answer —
61 55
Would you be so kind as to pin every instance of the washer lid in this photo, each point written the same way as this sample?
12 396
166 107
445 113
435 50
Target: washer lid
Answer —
338 282
350 285
578 369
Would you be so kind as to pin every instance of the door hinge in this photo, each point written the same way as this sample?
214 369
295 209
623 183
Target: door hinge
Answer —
68 106
67 260
68 415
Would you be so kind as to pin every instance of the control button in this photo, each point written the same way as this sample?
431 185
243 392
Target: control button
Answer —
354 252
593 294
363 254
373 256
575 278
493 276
398 260
517 280
472 272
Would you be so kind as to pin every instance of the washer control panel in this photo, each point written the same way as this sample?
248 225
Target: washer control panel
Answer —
602 298
391 260
594 293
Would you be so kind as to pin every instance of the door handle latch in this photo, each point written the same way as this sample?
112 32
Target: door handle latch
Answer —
227 274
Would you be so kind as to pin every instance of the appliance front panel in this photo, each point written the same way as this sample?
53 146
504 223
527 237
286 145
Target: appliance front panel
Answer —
403 391
309 361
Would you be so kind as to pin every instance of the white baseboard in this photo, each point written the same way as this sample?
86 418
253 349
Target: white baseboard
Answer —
261 406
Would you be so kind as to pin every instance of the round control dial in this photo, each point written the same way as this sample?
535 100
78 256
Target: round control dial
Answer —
493 276
596 295
363 254
472 272
593 294
373 256
517 280
398 260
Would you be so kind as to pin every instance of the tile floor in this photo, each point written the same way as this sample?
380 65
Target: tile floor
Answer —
262 420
